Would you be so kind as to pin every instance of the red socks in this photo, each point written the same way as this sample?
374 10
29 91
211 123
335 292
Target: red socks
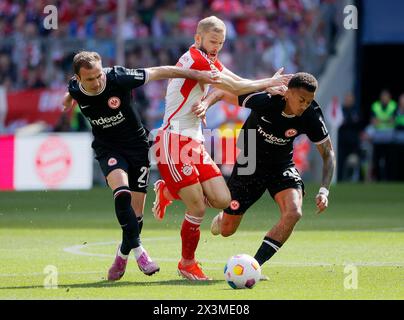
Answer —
190 234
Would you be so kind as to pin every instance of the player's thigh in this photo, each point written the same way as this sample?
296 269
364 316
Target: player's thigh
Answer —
193 198
290 202
178 172
115 169
217 192
244 191
287 188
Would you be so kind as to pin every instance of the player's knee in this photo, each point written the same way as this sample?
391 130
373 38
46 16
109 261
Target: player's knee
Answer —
197 207
227 232
221 201
227 229
293 215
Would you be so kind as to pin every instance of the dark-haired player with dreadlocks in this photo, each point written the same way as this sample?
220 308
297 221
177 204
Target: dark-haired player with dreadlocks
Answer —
277 121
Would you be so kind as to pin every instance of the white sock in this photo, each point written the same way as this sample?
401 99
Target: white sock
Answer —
123 256
138 251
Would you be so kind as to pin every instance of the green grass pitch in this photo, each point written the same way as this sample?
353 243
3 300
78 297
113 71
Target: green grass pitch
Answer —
77 232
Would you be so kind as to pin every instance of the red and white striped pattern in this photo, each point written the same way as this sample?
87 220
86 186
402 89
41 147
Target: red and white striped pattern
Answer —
193 220
170 162
183 93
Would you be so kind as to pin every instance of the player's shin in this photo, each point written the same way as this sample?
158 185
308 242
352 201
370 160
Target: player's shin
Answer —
267 249
190 234
127 219
140 222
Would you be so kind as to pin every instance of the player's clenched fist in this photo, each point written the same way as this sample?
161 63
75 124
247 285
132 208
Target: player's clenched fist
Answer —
321 202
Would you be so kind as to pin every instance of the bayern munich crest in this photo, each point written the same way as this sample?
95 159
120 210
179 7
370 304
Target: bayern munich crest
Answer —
114 102
187 169
112 162
234 205
290 133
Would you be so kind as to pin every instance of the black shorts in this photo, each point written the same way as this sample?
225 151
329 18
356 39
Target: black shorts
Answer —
247 189
134 161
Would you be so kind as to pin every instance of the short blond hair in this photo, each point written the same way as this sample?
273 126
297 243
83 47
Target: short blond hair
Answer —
85 59
211 23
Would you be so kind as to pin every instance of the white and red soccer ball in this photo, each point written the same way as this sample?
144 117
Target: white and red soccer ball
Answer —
242 271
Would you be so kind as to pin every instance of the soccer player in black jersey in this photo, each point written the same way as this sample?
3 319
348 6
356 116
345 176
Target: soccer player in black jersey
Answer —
120 141
277 121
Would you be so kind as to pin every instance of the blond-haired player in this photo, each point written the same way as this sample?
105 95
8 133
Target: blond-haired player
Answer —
187 170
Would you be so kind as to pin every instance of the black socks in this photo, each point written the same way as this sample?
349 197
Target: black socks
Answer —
127 219
268 248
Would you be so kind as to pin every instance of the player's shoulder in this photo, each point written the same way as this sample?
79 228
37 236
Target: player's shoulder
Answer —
108 70
313 111
116 72
112 72
315 105
197 55
192 59
200 60
277 100
73 85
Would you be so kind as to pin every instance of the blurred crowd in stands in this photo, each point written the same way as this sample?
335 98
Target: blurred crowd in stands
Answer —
262 36
270 33
374 151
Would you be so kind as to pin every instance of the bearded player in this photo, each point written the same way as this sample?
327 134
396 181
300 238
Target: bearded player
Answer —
187 170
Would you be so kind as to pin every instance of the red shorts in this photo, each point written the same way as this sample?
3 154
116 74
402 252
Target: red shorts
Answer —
182 161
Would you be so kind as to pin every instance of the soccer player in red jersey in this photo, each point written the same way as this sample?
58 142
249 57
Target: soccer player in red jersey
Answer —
187 170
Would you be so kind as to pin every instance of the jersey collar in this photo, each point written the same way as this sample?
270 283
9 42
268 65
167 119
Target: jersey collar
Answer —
92 94
288 115
203 54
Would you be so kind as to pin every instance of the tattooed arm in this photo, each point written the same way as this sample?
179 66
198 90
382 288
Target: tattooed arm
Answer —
328 156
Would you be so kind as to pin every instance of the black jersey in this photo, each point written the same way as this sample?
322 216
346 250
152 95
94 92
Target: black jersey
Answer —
113 119
275 130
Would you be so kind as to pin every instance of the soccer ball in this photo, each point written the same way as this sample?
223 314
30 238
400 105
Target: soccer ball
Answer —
242 271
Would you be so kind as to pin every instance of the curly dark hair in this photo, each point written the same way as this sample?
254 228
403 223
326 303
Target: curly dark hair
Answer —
304 80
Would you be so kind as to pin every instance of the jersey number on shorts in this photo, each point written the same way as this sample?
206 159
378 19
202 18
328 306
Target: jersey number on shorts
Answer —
292 173
144 177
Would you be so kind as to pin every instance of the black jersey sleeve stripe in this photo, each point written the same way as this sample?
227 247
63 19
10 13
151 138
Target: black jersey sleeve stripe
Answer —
255 99
323 140
129 78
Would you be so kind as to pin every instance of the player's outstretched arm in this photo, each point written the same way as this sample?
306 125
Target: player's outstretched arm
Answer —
243 86
167 72
327 154
231 74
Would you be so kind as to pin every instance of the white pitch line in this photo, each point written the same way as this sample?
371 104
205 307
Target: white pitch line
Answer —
399 229
77 251
34 274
